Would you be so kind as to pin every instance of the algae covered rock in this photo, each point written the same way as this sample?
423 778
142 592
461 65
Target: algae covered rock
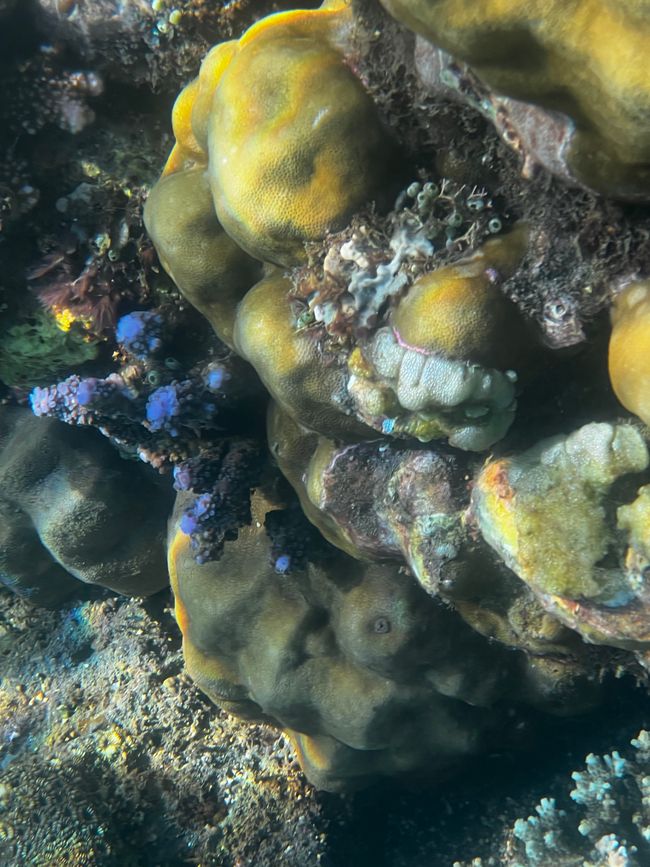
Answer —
547 513
35 348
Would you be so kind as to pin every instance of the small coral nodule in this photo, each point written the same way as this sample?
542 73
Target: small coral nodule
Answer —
629 355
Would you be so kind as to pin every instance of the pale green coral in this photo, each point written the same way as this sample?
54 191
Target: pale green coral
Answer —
547 514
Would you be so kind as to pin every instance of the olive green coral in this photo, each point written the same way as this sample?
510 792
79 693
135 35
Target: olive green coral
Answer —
584 58
69 504
368 674
211 271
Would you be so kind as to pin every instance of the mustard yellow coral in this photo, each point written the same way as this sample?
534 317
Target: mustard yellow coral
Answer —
629 349
289 363
291 141
585 58
459 310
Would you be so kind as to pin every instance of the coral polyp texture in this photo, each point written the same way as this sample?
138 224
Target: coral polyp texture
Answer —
69 504
583 58
291 141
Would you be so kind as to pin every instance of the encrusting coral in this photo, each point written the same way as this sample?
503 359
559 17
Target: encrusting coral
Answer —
546 514
584 58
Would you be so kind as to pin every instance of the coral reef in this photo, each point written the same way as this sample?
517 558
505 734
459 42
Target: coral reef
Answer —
565 59
170 423
403 326
370 254
68 505
607 823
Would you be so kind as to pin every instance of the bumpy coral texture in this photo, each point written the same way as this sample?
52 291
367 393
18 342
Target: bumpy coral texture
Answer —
547 514
69 504
441 367
629 358
396 501
291 142
585 58
369 675
374 671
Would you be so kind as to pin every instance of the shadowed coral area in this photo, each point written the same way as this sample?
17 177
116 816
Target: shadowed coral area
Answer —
369 675
585 58
69 504
211 271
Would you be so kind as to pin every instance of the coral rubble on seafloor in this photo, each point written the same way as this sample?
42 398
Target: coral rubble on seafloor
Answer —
411 255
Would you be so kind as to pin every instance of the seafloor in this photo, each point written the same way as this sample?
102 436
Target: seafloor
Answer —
109 754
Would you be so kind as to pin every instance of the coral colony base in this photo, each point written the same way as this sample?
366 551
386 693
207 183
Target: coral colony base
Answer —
409 508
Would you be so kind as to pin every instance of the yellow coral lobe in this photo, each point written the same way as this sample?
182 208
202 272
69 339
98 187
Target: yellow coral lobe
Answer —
292 141
499 499
187 149
178 547
629 349
310 750
331 20
460 312
295 145
214 64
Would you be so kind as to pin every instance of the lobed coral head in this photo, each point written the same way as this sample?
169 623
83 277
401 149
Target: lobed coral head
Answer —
291 141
